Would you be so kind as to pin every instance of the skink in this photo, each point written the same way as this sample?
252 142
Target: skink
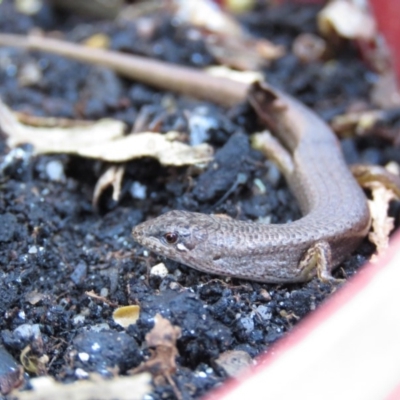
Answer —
336 216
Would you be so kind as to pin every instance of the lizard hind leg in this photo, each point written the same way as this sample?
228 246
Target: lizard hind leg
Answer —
317 260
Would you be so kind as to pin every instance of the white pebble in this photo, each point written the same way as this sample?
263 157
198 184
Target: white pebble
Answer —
84 357
55 171
138 191
159 270
81 373
32 250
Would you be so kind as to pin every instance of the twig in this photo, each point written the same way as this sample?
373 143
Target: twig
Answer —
155 73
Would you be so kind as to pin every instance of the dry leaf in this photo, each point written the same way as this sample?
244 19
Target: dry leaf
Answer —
369 175
149 144
102 140
228 42
356 123
53 139
121 387
379 123
163 339
347 19
243 53
163 334
32 363
382 224
384 187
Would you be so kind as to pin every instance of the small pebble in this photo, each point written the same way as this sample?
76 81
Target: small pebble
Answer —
81 373
247 323
199 124
83 357
79 274
55 171
79 319
32 250
264 312
100 327
138 191
159 270
27 332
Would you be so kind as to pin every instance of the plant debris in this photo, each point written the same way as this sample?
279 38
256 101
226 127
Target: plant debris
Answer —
384 187
102 140
162 339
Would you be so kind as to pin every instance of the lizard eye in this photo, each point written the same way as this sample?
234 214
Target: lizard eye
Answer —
171 237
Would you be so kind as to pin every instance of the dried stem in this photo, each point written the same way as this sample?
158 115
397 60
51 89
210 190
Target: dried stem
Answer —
159 74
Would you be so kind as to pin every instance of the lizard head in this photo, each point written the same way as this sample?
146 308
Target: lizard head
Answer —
178 235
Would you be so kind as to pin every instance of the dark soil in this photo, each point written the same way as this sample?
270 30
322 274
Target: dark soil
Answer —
55 246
